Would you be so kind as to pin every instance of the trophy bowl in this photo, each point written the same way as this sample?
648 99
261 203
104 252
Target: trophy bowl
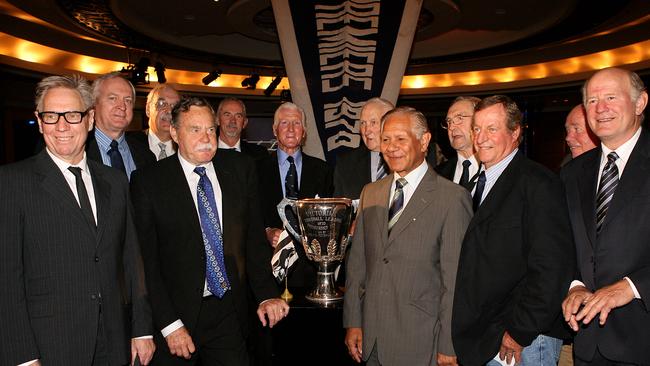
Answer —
324 224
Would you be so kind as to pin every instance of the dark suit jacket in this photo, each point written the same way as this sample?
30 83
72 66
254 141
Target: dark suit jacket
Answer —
352 172
138 146
172 244
448 168
400 285
515 266
256 152
315 178
54 266
621 249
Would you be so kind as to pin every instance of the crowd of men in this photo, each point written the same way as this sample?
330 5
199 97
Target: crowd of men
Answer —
154 247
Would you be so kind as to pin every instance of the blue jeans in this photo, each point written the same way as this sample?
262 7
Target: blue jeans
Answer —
544 351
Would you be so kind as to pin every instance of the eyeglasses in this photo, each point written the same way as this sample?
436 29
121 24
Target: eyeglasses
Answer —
455 121
163 104
72 117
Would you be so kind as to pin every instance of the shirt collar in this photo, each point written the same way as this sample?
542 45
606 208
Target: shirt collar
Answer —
624 151
63 165
104 141
282 156
223 145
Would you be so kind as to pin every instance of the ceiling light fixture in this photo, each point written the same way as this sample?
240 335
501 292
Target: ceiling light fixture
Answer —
212 76
274 84
251 81
160 72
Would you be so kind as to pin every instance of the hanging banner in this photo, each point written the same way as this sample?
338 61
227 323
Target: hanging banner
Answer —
337 55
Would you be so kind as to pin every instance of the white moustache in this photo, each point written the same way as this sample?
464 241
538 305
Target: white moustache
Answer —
204 147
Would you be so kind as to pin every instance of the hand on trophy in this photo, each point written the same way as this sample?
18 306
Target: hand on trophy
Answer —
274 309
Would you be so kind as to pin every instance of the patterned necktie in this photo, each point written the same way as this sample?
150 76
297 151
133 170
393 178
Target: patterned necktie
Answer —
608 183
397 205
82 193
291 180
215 268
116 157
464 177
478 193
381 168
163 152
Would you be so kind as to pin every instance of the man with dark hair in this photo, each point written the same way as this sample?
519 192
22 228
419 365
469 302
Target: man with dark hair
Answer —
607 192
71 282
203 244
232 120
401 268
517 258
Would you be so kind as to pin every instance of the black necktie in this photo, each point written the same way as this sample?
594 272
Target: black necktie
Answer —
478 193
116 157
84 201
608 183
291 180
464 177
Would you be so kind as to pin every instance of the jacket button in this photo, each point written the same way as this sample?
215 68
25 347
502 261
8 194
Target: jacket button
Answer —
96 259
386 260
93 297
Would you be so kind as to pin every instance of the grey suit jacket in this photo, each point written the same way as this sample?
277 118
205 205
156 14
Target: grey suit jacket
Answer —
400 286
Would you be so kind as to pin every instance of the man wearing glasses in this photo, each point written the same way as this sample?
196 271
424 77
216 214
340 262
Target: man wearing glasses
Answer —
160 102
462 167
69 259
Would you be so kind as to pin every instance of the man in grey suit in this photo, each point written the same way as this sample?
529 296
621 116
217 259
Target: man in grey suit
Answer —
402 265
71 279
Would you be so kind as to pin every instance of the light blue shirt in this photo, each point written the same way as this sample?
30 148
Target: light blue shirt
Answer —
284 167
104 143
494 172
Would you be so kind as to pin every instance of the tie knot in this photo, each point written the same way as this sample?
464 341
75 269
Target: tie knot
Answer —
612 157
481 177
75 170
400 183
200 170
290 159
113 144
467 163
161 145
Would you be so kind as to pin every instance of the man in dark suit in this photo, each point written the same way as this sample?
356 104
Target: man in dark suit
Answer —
108 143
203 243
70 257
232 120
461 166
358 167
517 258
607 192
289 172
160 102
401 268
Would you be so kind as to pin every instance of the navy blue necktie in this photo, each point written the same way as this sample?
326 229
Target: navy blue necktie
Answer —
291 180
215 268
116 157
478 193
464 177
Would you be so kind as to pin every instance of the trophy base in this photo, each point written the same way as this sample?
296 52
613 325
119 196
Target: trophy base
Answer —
325 291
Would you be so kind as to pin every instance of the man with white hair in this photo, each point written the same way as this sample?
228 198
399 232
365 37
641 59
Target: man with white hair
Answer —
160 102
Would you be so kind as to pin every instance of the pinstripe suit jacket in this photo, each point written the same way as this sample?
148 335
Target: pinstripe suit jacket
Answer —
400 286
54 267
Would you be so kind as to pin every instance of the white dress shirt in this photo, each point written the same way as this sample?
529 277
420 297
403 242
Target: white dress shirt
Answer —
223 145
473 168
414 177
155 148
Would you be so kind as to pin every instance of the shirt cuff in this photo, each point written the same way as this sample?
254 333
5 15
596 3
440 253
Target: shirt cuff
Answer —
171 328
575 283
28 362
144 337
637 295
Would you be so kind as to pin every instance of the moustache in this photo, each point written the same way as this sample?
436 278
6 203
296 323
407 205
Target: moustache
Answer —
204 147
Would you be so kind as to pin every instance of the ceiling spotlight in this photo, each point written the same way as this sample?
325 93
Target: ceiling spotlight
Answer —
140 74
251 81
160 72
285 95
212 76
274 84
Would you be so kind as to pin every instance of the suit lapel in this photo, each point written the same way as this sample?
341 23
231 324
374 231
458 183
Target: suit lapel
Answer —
228 201
276 188
307 182
414 207
103 193
587 181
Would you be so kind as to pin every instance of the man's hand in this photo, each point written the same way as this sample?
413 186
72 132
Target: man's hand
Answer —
354 342
180 343
273 236
510 349
142 348
444 360
274 309
604 300
577 296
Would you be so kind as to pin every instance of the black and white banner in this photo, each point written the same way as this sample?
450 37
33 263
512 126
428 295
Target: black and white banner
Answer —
337 55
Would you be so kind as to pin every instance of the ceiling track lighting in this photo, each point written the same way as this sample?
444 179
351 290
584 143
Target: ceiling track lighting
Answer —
273 85
212 76
160 72
251 81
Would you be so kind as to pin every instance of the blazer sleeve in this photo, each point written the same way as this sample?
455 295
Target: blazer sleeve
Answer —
453 231
17 341
164 312
355 269
550 260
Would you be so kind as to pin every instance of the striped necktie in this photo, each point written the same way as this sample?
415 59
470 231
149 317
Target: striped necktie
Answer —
397 205
163 152
381 168
608 183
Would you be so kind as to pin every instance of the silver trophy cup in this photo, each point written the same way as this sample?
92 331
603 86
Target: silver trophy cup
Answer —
324 224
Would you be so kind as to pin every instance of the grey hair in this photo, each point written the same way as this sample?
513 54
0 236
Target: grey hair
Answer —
186 103
111 75
289 106
228 100
155 91
466 98
636 84
386 104
74 82
419 121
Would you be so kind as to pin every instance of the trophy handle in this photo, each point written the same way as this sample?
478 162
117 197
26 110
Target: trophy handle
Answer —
283 216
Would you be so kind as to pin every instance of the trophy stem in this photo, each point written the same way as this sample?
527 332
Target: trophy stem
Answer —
325 290
286 295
